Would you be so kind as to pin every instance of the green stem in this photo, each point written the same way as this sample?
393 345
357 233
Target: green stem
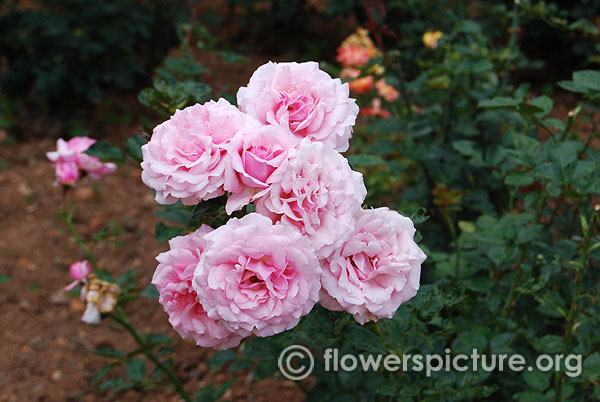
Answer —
67 217
511 45
570 118
454 235
570 320
122 320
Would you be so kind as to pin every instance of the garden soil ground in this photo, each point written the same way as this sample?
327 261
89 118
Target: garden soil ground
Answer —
44 347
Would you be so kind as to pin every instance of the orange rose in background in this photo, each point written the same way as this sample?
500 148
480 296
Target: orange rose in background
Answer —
385 90
375 110
357 49
361 85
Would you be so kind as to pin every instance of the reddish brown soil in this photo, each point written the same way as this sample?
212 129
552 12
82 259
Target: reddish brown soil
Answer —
45 348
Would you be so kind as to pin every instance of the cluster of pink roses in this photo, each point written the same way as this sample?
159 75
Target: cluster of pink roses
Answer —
70 160
309 239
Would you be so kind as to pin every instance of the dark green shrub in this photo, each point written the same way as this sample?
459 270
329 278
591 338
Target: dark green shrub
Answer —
71 53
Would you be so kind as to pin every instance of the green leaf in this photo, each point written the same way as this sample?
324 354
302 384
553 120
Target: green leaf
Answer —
530 396
240 364
468 27
216 361
528 108
158 339
363 339
499 102
418 216
587 79
566 152
133 147
536 379
549 344
109 352
591 366
210 394
150 292
554 123
5 278
164 233
174 213
135 370
519 179
117 383
544 103
365 160
572 86
466 148
501 343
105 152
102 372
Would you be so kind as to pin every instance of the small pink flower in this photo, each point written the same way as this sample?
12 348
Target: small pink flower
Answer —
186 158
70 158
67 173
173 280
80 270
303 99
376 270
254 157
317 193
256 277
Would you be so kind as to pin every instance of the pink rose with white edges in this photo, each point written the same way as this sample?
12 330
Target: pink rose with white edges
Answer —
303 99
70 158
317 193
376 270
256 277
254 157
186 158
173 280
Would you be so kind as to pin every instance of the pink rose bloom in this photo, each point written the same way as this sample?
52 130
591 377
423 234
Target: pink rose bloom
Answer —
303 99
256 277
173 280
317 193
186 158
254 157
80 270
70 158
67 173
376 270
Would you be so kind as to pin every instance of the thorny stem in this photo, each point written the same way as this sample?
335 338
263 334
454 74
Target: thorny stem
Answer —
121 319
571 325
